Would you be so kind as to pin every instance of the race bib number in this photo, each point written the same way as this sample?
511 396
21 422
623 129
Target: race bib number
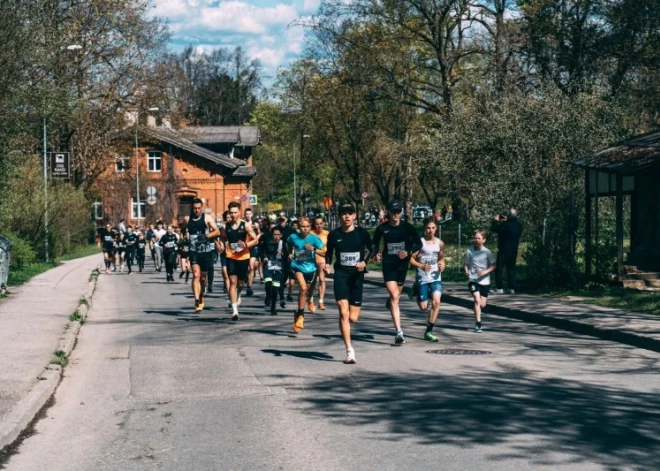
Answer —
395 247
108 238
305 256
141 245
170 245
349 259
235 247
185 248
429 260
274 265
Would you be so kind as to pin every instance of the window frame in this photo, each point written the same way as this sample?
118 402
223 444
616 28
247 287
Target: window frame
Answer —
97 205
126 165
143 207
154 159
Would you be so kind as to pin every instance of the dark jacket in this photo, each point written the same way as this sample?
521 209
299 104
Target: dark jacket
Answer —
508 233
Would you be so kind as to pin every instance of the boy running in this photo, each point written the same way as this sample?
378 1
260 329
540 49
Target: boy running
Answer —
273 257
479 262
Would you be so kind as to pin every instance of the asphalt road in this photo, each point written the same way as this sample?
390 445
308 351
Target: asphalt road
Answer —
150 385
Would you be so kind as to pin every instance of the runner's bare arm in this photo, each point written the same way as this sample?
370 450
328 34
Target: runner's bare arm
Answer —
254 240
210 223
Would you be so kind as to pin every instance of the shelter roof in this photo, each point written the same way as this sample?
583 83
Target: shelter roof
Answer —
625 157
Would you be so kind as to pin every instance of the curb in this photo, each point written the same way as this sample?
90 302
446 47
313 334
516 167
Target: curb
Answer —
612 335
26 410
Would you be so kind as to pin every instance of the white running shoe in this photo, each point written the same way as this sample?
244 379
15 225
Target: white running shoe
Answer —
350 357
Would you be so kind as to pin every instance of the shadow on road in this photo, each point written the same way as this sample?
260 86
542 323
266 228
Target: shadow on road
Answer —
535 416
319 356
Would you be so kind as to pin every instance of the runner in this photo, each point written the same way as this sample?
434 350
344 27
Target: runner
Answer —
239 238
131 239
115 234
319 278
106 241
223 255
169 245
286 230
291 277
351 247
121 250
400 240
158 249
479 262
201 227
149 239
301 248
430 261
140 252
184 255
274 255
254 257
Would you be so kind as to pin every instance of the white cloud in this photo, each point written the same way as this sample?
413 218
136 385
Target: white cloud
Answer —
311 5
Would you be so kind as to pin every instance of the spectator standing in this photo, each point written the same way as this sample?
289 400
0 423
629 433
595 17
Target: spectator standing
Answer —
508 230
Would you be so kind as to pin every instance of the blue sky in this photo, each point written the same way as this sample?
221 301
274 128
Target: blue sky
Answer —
262 27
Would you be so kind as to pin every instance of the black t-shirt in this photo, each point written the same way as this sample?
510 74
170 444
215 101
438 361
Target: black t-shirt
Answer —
107 237
276 254
397 239
131 240
349 248
168 241
141 245
184 246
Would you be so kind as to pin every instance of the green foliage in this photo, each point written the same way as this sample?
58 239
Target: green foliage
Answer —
22 253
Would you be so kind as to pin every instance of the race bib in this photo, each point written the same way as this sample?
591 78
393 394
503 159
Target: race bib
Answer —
430 260
108 238
130 242
170 245
235 247
141 245
274 265
349 259
305 256
395 247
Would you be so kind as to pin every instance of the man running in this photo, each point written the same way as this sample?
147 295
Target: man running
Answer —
302 249
158 249
430 262
149 239
479 262
201 228
131 240
320 232
400 240
239 238
274 254
106 241
169 245
140 252
184 255
351 247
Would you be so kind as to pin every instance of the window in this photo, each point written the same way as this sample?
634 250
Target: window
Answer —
134 210
97 209
154 161
122 163
185 206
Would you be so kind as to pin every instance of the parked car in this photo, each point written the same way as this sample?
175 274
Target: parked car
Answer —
420 212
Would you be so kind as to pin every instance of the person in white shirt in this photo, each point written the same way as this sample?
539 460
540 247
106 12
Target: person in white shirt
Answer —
479 262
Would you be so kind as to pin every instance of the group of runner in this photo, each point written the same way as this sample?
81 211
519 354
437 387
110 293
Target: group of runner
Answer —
303 253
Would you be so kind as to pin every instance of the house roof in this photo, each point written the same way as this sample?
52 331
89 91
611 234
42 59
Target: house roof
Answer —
626 156
244 136
244 172
174 138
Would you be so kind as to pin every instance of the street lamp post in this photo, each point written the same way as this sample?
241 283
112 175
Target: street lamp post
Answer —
137 166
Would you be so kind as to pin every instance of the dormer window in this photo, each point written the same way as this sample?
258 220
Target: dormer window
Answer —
154 161
122 163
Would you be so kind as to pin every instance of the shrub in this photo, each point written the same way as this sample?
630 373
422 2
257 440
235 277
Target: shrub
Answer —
22 253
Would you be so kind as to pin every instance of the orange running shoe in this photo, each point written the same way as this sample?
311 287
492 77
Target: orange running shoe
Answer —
299 322
310 306
322 306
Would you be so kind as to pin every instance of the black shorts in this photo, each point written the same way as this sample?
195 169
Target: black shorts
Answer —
349 286
308 277
238 268
484 290
254 252
396 271
109 249
203 259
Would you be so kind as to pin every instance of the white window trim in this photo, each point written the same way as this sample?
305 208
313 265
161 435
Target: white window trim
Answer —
143 207
154 159
126 163
97 205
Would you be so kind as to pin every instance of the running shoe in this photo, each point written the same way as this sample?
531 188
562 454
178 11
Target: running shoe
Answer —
477 329
299 322
209 289
197 306
311 307
429 337
289 298
249 291
201 304
267 301
350 357
282 304
399 339
273 311
234 316
238 303
322 306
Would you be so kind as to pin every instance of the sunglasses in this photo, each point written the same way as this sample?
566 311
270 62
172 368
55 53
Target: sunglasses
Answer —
397 211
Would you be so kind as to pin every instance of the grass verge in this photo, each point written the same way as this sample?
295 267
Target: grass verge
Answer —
614 297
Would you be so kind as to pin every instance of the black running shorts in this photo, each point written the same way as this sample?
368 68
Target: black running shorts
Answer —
349 286
308 277
238 268
395 271
484 290
108 248
203 259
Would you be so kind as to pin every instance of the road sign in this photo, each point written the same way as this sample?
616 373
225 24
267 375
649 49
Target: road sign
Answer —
244 198
151 190
253 200
60 164
365 195
151 200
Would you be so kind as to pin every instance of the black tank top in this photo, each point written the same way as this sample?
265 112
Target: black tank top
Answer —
196 227
234 235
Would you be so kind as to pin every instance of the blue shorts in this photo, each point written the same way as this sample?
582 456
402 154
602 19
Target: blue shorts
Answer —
426 290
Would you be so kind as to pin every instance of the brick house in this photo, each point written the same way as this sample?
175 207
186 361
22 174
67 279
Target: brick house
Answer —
176 166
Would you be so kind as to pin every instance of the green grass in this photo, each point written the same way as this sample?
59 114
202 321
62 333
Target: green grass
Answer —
21 275
59 358
614 297
76 317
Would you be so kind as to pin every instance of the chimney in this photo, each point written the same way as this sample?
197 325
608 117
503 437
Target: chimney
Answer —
130 117
167 122
151 121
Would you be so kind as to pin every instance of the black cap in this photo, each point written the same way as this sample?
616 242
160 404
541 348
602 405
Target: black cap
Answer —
394 206
346 208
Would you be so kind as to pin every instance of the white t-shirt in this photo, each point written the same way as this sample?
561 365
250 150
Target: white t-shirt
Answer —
158 233
477 260
429 254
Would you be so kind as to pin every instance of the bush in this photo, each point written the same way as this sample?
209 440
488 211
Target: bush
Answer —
21 252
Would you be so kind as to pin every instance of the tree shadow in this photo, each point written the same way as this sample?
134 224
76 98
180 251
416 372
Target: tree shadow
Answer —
278 333
319 356
593 423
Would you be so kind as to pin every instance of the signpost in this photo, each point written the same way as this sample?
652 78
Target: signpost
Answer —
253 200
60 164
151 200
